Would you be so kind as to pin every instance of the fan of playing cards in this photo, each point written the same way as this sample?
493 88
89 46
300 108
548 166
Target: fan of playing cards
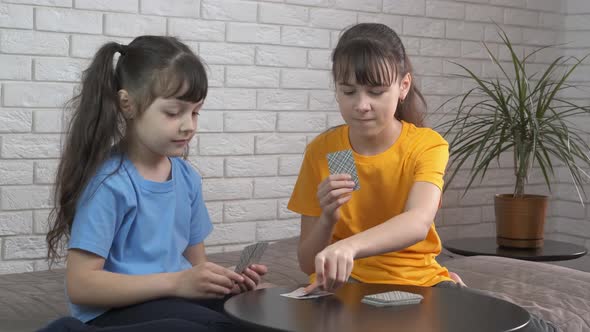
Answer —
251 255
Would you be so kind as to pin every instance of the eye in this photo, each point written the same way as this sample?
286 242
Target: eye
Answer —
195 113
171 114
376 93
348 92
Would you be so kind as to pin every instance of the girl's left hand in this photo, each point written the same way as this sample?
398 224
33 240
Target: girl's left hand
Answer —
252 277
333 266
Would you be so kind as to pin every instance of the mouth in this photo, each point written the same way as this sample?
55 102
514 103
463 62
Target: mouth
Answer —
181 141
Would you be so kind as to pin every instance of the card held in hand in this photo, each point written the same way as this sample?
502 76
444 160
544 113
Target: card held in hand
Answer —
251 255
342 162
392 298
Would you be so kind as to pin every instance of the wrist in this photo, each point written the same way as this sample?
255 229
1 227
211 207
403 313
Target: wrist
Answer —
326 221
173 283
352 244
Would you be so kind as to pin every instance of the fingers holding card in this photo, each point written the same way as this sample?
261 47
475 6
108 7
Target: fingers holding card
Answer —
342 162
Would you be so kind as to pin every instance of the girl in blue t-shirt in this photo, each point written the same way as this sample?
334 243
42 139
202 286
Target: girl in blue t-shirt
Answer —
132 211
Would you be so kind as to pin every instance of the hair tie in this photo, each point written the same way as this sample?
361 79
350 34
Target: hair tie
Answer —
122 49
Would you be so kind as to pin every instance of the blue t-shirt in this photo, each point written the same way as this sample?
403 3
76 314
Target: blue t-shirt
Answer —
139 226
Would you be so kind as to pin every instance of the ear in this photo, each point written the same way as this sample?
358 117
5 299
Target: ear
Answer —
125 104
405 86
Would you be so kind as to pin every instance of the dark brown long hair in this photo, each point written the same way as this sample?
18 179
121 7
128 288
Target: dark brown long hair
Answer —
148 68
375 55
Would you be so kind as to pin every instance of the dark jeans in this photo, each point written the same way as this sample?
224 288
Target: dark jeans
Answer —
536 324
170 314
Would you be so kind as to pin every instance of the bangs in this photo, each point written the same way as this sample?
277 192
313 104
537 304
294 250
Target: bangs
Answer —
185 79
364 62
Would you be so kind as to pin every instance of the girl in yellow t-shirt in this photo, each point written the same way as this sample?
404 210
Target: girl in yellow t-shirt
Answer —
384 231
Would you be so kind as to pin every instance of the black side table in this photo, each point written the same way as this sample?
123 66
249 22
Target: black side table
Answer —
441 310
551 250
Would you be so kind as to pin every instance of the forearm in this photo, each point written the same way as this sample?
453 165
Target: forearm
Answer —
397 233
318 239
106 289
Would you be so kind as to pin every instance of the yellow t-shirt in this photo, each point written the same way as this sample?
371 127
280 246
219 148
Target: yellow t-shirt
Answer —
419 154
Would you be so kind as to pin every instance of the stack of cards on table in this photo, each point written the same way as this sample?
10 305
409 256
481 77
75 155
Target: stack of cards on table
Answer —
342 162
301 295
251 255
392 298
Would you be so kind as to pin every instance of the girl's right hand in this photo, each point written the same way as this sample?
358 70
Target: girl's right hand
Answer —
206 280
333 192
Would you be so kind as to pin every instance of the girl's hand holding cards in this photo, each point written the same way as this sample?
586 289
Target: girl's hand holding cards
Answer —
252 277
249 268
333 192
206 280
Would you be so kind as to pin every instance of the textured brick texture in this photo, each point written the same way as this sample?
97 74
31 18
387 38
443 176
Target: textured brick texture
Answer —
570 219
271 92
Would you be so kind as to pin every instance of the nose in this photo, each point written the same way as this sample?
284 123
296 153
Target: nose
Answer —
362 103
188 123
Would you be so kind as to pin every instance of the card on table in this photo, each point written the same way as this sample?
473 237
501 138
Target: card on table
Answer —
251 255
299 294
341 162
392 298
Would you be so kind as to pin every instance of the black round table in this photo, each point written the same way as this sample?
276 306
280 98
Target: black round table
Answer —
550 251
441 310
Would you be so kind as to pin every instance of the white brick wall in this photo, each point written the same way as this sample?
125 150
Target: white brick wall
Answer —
571 220
270 93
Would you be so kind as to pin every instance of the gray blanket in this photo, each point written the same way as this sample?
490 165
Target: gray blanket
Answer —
558 294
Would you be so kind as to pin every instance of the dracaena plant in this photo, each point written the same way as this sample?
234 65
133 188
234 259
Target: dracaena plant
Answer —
523 113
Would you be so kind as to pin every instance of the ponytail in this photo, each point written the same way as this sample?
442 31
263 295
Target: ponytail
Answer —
413 108
94 127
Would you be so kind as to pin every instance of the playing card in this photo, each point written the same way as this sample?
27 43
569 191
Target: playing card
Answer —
251 255
392 298
341 162
299 294
258 252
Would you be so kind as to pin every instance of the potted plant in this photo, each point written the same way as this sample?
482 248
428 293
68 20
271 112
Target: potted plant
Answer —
524 114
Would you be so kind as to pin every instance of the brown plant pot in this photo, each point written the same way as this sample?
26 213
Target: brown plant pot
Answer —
520 222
